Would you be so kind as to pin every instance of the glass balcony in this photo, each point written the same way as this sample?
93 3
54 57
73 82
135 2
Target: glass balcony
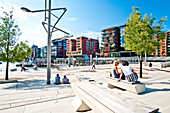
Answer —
108 38
112 46
105 32
102 43
102 46
103 40
105 36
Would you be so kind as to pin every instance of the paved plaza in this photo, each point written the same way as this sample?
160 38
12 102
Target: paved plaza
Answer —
31 94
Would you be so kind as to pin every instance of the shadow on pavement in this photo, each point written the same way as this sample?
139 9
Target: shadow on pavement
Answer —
150 90
35 84
151 83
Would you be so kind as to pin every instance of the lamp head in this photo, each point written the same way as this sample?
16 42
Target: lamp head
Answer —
25 9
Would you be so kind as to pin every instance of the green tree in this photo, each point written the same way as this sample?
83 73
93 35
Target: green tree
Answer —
140 34
10 50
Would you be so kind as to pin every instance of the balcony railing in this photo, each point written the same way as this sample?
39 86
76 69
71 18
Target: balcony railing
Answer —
103 40
102 43
105 32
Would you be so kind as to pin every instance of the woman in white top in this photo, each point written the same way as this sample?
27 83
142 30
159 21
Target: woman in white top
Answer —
129 73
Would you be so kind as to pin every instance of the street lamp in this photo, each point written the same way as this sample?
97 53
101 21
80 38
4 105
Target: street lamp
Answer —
49 31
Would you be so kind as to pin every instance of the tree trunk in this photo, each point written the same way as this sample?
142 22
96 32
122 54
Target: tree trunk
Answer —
6 74
141 65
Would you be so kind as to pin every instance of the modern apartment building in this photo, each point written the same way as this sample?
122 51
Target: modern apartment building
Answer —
164 49
82 46
38 51
58 50
113 42
44 52
34 51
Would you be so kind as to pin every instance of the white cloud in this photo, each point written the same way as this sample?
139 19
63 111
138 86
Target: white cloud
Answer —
18 13
92 34
21 15
37 36
72 19
31 28
59 34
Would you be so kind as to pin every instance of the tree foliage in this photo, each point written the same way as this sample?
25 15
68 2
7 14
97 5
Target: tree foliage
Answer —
140 33
10 50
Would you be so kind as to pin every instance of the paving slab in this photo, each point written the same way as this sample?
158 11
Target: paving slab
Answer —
33 85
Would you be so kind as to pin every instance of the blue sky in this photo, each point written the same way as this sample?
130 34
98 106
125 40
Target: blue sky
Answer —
83 17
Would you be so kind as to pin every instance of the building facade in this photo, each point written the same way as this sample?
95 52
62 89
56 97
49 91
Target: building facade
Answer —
82 46
113 42
44 52
164 49
34 51
58 50
38 53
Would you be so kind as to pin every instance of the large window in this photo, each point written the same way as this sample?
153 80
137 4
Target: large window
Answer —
59 43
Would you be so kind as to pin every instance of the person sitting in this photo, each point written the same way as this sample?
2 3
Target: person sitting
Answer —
130 74
65 80
57 80
35 67
114 70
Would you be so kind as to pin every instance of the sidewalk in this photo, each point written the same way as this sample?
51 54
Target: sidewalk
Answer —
31 94
7 81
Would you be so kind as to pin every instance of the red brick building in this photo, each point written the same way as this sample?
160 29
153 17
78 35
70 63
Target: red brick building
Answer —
113 42
164 49
82 46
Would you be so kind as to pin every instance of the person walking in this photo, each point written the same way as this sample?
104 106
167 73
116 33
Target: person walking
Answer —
150 66
93 65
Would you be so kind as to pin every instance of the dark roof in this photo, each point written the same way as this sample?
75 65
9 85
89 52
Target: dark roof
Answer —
114 27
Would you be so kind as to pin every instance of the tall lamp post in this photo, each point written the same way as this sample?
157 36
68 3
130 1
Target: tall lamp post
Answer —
49 31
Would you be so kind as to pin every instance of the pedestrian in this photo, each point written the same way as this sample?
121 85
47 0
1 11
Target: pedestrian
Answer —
23 67
150 66
93 65
35 67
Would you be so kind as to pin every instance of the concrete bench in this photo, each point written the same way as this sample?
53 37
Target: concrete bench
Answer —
165 64
135 88
104 100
